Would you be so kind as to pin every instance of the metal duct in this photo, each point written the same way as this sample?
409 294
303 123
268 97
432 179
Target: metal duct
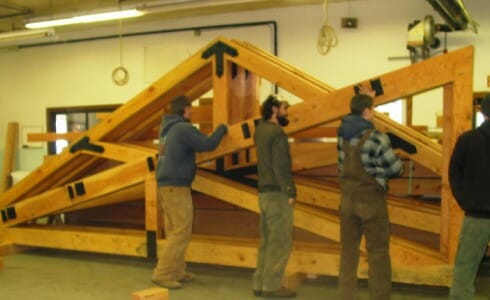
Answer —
455 14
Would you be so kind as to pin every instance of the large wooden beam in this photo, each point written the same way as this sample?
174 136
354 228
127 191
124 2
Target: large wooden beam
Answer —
120 152
239 252
126 118
308 218
11 145
98 185
153 220
457 118
329 106
406 212
429 153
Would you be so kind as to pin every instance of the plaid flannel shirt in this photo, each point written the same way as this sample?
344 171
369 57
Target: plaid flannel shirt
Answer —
377 156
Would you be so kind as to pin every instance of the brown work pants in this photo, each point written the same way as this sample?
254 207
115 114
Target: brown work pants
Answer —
363 210
177 209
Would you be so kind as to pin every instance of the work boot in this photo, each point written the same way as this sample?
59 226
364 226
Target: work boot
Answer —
282 292
169 284
188 277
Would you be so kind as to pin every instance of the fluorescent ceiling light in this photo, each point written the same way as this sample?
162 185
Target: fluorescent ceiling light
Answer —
99 17
25 37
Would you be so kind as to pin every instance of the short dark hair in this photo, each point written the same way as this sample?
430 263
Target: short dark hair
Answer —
359 103
267 106
178 105
485 106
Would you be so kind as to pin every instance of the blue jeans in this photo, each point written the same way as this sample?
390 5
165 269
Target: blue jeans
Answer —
473 242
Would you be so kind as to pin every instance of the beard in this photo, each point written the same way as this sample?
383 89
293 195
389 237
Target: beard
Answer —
283 121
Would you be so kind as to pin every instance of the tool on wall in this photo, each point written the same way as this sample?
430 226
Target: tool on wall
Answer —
327 38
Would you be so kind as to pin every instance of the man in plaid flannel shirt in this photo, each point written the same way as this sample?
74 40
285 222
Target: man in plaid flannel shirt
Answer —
366 162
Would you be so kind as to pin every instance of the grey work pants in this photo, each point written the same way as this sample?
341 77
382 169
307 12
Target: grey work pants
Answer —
276 238
473 242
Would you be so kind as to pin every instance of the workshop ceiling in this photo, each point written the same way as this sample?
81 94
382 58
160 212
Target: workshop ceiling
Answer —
13 13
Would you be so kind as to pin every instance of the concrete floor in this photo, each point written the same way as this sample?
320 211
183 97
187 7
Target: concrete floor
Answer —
54 274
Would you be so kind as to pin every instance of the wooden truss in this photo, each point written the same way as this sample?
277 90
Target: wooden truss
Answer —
113 164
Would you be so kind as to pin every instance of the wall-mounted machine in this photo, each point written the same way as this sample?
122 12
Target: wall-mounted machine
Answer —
422 34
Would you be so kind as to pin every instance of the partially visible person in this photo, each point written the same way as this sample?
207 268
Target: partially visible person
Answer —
469 175
366 162
176 168
277 193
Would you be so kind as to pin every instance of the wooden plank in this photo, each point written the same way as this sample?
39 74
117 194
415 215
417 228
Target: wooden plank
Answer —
410 213
133 126
53 136
277 71
5 247
97 185
119 152
276 60
308 218
202 114
121 242
317 133
239 252
313 155
457 118
409 110
428 74
11 146
134 192
429 153
118 123
151 294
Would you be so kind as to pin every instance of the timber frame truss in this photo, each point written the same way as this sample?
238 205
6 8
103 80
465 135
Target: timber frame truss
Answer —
114 162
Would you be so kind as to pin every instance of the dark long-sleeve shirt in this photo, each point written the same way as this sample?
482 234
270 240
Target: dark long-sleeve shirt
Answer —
469 171
274 159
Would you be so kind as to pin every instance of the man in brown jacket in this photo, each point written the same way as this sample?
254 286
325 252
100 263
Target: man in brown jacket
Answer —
276 199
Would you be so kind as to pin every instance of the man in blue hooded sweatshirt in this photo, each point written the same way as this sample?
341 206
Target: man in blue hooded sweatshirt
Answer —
366 162
176 169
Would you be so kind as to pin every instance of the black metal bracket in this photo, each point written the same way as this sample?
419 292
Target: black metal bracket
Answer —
71 193
219 49
84 144
79 188
398 142
150 163
151 244
246 131
9 214
377 87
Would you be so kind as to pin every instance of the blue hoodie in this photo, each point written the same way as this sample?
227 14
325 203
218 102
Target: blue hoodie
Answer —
181 140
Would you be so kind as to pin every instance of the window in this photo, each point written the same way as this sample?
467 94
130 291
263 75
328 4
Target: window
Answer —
73 119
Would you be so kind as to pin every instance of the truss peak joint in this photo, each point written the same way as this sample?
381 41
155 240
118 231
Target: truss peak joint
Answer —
219 49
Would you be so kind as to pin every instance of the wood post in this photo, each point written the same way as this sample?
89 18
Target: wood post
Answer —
11 145
457 118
